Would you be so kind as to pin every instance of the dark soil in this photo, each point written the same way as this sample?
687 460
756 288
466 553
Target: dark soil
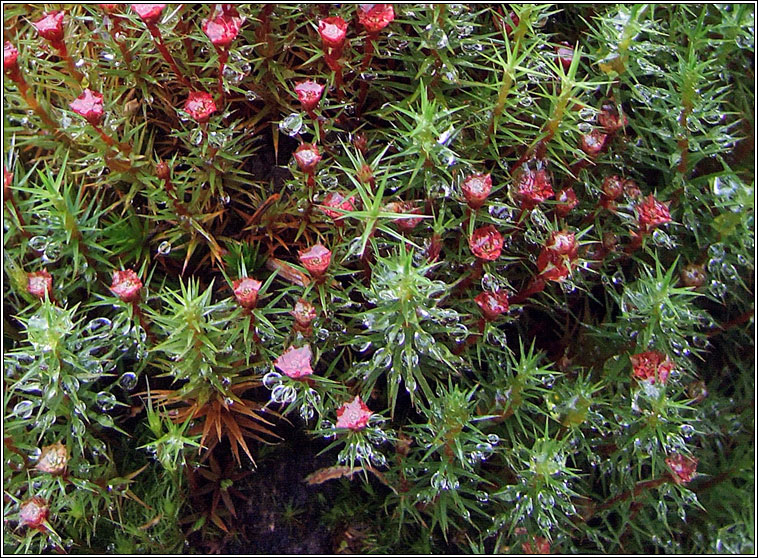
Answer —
263 524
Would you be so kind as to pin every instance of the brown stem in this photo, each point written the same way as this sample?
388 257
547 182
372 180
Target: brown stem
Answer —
636 491
368 50
742 318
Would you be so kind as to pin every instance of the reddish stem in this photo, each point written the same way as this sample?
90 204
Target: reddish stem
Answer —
535 286
143 322
23 88
368 50
121 44
106 138
9 199
158 39
223 56
636 491
63 53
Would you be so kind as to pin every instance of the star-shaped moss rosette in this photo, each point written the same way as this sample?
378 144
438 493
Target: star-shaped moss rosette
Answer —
295 362
316 259
126 285
682 467
246 291
476 188
40 283
353 415
486 243
651 366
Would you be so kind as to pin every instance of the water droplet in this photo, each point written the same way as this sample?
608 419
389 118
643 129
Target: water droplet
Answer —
717 251
729 271
718 289
128 381
38 243
292 124
584 127
306 412
378 459
196 136
251 95
568 286
105 401
164 248
23 409
77 428
587 114
525 100
283 394
99 327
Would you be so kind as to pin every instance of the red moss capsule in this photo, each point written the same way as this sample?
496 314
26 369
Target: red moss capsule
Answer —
150 13
476 188
34 513
567 201
39 283
50 27
304 313
693 275
10 57
307 157
610 119
533 186
353 415
593 143
486 243
565 53
200 106
309 94
295 363
492 304
222 29
375 17
53 459
682 467
651 366
316 259
333 31
246 291
651 213
126 285
89 105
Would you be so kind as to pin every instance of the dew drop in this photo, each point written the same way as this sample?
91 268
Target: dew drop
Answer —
164 248
105 401
292 124
38 243
23 409
128 381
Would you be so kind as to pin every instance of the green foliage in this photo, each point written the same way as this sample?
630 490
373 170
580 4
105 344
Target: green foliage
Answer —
504 428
